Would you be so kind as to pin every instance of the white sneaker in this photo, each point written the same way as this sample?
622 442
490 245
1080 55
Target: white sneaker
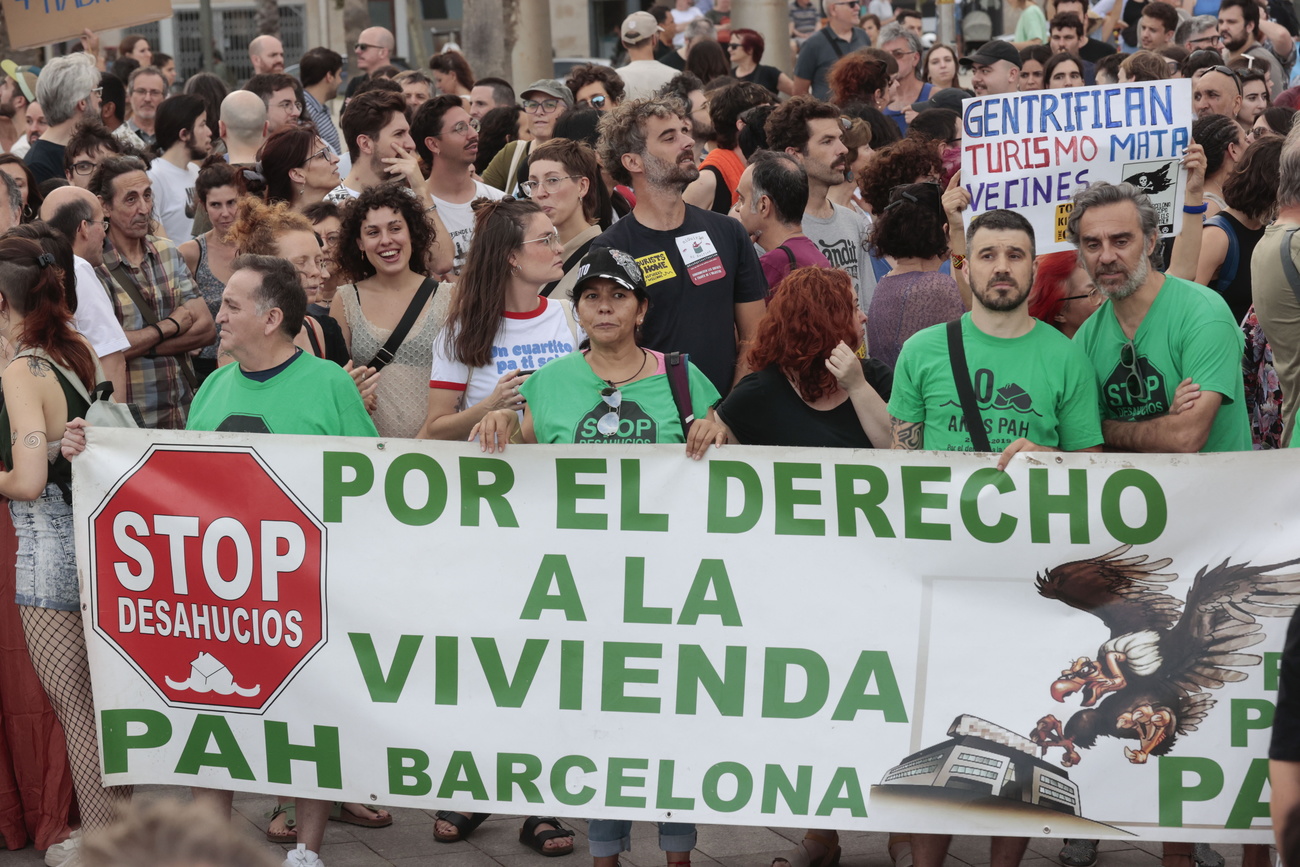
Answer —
58 854
303 857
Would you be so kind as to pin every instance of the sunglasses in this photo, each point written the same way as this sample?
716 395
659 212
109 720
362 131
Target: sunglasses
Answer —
1134 382
608 423
1222 70
597 102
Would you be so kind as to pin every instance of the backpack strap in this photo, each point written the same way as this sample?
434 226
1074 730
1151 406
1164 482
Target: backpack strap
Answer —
789 254
1288 264
388 351
1231 261
680 382
833 40
961 374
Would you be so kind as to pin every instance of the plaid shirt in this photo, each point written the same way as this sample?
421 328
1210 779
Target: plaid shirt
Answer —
155 385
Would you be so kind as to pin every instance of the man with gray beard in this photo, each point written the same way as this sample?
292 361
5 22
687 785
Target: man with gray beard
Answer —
1154 333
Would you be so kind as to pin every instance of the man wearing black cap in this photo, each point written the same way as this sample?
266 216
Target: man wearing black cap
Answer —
949 98
996 68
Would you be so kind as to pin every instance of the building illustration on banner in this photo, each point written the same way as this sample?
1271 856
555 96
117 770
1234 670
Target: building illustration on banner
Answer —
1148 683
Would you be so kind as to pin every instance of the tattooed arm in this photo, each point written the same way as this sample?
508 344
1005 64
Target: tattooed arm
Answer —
35 403
906 434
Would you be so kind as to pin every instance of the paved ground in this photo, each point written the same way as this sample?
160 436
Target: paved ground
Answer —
409 843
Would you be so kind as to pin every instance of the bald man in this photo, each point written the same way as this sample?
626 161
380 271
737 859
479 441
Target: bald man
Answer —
79 215
243 125
374 49
267 55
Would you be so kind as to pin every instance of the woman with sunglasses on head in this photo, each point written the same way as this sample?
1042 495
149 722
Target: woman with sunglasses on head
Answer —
745 50
613 391
485 352
211 255
1253 73
298 166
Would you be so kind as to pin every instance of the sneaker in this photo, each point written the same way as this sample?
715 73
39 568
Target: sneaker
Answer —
58 854
1078 853
1203 854
303 857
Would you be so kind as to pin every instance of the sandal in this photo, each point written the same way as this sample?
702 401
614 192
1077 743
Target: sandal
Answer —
290 836
340 813
463 824
536 840
801 857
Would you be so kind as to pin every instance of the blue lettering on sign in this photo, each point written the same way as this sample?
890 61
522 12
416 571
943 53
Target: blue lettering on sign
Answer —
1146 104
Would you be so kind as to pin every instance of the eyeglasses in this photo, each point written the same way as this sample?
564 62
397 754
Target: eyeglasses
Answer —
900 53
608 423
735 45
361 46
846 122
1206 40
854 3
1250 62
1135 382
1258 132
597 102
97 91
318 155
552 240
551 184
83 167
545 106
288 106
151 93
461 128
105 222
1222 70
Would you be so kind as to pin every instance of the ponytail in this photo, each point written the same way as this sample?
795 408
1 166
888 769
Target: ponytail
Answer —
33 285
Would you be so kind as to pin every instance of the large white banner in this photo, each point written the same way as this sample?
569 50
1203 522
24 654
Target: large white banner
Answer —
1082 646
1031 152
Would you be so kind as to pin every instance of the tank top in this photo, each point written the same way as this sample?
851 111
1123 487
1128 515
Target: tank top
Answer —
403 394
1238 292
60 468
210 287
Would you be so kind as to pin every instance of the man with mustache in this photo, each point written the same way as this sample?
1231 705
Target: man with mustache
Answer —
811 132
1031 389
153 295
705 284
1153 333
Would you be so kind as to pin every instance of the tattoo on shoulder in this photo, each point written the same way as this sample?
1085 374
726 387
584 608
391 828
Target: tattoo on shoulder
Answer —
37 366
907 434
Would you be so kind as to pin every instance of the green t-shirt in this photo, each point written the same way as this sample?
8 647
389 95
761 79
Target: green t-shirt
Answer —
310 396
565 401
1038 386
1032 25
1188 332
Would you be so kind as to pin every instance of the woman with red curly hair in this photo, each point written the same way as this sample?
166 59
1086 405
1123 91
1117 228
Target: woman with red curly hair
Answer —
809 388
861 77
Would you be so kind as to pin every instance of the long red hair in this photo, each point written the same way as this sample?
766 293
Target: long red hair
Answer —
812 310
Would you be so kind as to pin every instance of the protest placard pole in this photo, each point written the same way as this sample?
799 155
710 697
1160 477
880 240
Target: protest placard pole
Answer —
205 32
946 32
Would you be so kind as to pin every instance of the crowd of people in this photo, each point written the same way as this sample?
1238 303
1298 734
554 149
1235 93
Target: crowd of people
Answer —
688 246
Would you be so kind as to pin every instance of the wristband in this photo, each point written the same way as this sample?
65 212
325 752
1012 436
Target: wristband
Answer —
958 261
1196 209
174 322
161 336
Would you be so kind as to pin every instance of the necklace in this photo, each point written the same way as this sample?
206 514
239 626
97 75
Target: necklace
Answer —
644 356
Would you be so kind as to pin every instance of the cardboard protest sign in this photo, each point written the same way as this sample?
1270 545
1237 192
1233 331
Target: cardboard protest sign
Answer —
40 22
1030 152
877 640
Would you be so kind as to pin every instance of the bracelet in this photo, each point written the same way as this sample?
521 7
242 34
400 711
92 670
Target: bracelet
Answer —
161 336
433 206
1196 209
958 261
174 322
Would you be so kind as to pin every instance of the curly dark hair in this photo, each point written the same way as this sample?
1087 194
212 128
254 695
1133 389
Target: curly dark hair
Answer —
728 103
787 127
584 74
351 261
216 172
912 224
904 162
935 124
1278 118
1252 186
858 77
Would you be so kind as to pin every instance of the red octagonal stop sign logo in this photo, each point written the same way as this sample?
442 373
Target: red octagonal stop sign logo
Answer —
209 577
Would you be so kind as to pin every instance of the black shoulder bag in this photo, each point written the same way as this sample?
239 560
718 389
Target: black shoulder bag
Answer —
961 373
833 40
388 351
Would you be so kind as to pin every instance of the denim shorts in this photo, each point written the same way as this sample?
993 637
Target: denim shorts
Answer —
46 570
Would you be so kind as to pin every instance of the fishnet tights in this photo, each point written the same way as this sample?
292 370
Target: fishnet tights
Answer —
57 645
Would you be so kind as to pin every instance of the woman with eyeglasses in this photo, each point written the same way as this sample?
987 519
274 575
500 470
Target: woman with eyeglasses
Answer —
912 232
1061 71
543 101
613 391
16 169
564 180
1274 120
498 319
595 85
211 255
1063 296
299 167
745 51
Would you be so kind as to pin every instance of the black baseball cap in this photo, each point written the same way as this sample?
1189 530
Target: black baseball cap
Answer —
613 265
991 52
949 97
